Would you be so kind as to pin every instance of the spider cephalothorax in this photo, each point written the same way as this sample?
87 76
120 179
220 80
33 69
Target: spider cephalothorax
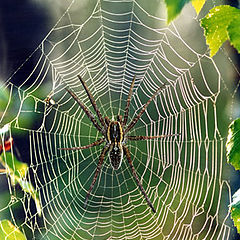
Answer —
115 136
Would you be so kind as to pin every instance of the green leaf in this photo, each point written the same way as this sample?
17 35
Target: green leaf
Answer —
14 167
13 106
234 33
174 7
233 144
235 209
17 171
216 25
198 4
9 232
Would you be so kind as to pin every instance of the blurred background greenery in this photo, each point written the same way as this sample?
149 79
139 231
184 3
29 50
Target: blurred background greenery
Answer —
190 187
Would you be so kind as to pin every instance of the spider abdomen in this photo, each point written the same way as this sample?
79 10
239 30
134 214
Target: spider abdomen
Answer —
116 155
115 138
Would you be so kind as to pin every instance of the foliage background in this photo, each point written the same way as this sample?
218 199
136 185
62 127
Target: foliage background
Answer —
25 25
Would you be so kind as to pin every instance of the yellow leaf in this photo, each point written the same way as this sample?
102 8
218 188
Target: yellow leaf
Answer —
198 4
10 232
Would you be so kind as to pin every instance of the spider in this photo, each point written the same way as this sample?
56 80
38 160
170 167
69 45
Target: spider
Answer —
115 136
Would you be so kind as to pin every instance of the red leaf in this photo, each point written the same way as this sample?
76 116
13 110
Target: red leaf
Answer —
7 145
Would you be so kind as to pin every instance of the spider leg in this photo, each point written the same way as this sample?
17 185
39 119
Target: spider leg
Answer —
85 109
107 121
96 143
136 138
128 155
134 121
90 96
100 162
128 102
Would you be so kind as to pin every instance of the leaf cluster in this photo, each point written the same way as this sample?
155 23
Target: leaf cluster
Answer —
220 24
17 171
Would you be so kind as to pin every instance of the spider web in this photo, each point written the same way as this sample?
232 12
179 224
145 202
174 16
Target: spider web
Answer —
185 176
